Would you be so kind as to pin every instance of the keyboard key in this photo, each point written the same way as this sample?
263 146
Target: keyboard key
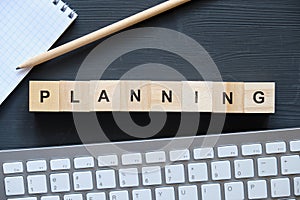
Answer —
295 146
50 198
257 189
151 175
106 179
227 151
221 170
60 182
14 185
82 181
275 147
197 172
174 174
84 162
280 187
188 192
244 168
297 186
267 166
12 168
142 194
37 184
108 161
60 164
251 149
96 196
128 177
156 157
132 159
234 190
36 166
179 155
211 191
290 165
24 198
164 193
203 153
73 197
119 195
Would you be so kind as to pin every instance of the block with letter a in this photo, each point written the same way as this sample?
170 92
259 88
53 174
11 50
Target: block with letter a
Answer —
105 95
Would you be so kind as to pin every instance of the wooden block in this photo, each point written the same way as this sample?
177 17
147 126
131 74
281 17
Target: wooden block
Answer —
259 98
196 96
44 96
166 96
228 97
74 96
105 95
135 95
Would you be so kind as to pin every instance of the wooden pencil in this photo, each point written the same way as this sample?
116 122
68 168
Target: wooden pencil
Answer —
101 33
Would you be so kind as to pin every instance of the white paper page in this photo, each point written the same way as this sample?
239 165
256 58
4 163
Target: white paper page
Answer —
28 27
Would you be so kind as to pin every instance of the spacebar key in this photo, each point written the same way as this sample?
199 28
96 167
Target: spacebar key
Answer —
25 198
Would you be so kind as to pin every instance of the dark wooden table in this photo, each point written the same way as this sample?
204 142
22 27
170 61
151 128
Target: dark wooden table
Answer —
248 40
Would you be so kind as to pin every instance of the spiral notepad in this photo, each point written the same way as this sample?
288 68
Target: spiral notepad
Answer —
27 28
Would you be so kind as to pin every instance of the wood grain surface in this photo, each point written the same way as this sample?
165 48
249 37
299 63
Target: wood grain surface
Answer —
248 40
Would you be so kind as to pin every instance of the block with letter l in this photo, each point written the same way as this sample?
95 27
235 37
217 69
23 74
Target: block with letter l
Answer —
74 96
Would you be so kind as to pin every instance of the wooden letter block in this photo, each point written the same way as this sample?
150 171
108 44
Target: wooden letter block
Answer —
105 95
166 96
135 95
196 96
44 96
74 96
228 97
259 98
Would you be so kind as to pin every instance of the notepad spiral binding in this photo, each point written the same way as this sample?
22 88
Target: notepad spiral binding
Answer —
64 8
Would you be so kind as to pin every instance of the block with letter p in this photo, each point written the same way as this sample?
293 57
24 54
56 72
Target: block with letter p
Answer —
44 96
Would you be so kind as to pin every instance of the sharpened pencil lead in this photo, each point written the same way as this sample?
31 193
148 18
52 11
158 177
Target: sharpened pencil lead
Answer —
17 68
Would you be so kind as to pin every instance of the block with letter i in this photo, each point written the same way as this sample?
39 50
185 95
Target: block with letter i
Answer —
105 95
228 97
196 96
259 98
44 96
74 96
166 96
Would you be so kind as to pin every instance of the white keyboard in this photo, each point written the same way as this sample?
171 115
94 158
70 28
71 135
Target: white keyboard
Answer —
253 165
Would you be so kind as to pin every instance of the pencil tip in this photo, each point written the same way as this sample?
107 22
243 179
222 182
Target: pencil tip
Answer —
18 68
